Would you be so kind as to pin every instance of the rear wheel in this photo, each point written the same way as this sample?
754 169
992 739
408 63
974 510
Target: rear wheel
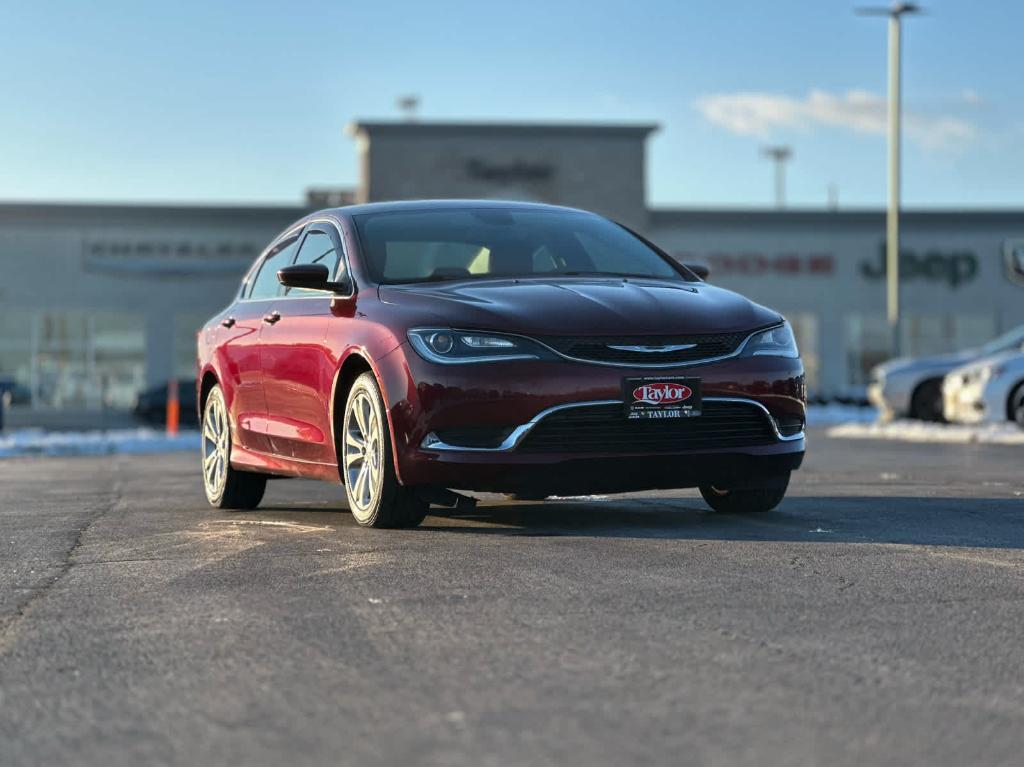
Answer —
746 500
926 404
226 487
375 496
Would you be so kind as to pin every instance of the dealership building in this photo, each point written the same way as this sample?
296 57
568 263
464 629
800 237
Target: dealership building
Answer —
101 301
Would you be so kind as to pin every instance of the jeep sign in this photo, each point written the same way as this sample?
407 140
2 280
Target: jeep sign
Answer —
953 268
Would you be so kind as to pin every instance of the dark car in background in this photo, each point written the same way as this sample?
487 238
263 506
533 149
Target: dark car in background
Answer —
14 393
409 349
151 404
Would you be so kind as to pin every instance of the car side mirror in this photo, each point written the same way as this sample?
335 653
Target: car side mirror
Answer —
310 277
701 270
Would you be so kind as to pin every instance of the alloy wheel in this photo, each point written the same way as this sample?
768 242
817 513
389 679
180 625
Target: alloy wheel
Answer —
216 446
363 453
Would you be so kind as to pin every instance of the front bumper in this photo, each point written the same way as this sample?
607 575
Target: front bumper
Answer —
890 396
975 401
962 402
426 398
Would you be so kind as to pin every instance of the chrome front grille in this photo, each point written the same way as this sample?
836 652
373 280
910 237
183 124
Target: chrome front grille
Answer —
605 429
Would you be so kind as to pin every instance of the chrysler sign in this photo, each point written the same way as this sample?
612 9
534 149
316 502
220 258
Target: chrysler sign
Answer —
177 257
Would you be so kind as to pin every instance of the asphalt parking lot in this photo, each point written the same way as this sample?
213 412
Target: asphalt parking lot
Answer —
876 618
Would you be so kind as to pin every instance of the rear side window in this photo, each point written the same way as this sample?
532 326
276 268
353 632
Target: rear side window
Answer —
265 284
317 248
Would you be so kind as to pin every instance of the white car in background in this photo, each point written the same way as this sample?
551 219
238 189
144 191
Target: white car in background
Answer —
912 387
989 390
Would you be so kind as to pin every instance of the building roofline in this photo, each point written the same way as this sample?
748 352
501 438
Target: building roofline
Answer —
415 127
867 216
29 212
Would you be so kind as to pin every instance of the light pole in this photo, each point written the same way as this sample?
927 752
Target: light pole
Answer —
779 155
892 220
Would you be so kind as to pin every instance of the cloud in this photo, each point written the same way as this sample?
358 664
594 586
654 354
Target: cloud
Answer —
759 114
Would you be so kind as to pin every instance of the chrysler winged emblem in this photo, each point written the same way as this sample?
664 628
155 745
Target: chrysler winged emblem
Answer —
652 349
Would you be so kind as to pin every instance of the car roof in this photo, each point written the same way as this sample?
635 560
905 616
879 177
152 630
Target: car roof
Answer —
348 211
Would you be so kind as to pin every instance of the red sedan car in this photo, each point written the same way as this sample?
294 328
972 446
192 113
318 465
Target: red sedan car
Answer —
411 349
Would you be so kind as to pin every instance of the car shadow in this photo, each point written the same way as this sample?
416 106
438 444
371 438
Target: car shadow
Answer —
938 521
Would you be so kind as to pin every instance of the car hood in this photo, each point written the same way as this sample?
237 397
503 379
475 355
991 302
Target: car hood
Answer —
582 306
939 363
1012 360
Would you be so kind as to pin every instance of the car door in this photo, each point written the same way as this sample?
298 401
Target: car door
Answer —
298 370
240 349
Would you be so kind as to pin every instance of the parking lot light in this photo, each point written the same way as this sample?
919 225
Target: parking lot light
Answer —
895 13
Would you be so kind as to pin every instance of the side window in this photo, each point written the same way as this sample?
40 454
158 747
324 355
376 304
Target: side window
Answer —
317 248
265 284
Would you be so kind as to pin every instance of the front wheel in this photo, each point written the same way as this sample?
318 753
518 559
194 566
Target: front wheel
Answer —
926 404
226 487
746 500
1017 406
374 494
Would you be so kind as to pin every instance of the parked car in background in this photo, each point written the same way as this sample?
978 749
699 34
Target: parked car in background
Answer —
913 388
989 390
151 404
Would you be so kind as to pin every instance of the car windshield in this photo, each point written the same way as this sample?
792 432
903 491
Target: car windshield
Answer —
467 243
1004 343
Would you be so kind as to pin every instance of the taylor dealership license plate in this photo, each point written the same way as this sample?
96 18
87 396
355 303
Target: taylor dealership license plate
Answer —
661 397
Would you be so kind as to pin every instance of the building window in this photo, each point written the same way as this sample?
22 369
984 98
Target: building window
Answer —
805 329
186 327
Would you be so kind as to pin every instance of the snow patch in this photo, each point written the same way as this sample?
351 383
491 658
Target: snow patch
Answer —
920 431
836 413
61 443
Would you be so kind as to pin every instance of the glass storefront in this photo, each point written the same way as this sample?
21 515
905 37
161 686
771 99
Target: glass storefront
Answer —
805 329
186 326
74 359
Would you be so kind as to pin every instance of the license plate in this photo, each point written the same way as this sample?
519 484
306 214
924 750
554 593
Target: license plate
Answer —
661 397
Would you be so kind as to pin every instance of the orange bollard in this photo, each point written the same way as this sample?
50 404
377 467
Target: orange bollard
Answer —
173 408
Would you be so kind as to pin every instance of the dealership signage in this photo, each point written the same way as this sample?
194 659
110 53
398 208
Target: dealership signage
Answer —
762 264
167 257
953 268
520 170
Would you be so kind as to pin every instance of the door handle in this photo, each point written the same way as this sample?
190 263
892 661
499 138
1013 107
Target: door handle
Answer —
271 318
228 322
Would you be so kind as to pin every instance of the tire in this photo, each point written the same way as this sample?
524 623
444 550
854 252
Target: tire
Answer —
226 487
926 404
375 496
1017 405
747 500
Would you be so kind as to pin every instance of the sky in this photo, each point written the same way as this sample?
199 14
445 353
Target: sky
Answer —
246 102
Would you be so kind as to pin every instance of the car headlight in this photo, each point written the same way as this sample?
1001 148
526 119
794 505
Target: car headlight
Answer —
773 342
977 375
459 347
991 371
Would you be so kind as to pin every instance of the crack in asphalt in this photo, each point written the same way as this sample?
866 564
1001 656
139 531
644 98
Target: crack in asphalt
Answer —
9 627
